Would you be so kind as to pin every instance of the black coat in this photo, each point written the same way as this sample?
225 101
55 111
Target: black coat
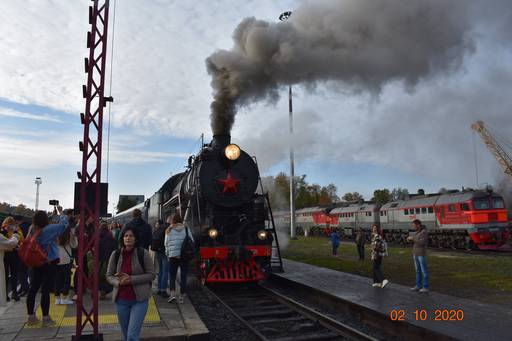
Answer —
144 230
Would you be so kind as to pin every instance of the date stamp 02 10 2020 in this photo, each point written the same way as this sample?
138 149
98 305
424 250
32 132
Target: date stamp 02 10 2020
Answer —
424 315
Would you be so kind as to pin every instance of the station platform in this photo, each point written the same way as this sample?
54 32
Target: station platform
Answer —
379 307
164 321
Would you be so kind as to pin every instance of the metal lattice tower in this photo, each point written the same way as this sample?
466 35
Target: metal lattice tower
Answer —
499 153
90 176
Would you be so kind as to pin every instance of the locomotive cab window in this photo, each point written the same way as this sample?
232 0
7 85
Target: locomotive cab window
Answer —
498 203
464 207
481 204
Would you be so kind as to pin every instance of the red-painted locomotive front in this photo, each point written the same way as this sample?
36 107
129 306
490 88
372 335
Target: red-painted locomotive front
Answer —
484 218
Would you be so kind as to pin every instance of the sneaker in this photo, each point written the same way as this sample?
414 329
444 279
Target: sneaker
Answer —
58 301
415 289
384 283
377 285
48 321
171 299
32 320
423 290
67 301
74 297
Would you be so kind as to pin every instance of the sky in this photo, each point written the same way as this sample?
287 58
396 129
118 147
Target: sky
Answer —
402 133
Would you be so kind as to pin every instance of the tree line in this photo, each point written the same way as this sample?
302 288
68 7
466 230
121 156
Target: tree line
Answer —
311 194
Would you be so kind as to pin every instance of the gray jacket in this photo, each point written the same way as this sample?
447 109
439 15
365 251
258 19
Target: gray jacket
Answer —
420 240
141 281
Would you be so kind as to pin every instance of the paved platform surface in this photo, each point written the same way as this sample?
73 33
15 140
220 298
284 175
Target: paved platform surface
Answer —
481 321
169 321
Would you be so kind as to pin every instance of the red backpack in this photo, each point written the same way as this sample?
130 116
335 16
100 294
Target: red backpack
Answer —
31 253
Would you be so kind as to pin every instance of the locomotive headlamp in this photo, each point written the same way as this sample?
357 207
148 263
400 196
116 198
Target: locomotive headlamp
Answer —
232 152
213 233
262 235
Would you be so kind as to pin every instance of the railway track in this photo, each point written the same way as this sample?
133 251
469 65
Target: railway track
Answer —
272 316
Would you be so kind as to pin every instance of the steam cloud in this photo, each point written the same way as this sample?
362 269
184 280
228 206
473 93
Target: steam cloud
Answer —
363 44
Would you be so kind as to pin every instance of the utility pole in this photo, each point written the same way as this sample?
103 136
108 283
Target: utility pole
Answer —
293 233
38 182
90 176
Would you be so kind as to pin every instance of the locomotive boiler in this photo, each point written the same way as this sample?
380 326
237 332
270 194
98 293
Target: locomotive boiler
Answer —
218 200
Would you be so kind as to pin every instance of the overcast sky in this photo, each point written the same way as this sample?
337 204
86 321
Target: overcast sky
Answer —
403 134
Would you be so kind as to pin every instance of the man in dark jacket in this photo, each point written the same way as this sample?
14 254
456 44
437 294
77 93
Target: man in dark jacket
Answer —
142 227
360 240
419 251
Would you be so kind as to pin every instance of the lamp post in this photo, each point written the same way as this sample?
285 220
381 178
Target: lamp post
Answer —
283 17
38 182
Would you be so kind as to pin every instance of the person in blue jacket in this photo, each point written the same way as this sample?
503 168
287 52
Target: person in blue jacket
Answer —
335 240
42 277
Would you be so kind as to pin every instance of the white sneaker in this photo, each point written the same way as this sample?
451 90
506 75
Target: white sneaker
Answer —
376 285
415 289
423 290
58 301
67 301
384 283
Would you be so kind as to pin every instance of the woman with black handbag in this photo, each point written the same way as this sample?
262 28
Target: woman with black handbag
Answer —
176 236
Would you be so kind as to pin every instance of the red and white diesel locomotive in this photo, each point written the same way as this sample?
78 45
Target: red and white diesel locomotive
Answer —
457 219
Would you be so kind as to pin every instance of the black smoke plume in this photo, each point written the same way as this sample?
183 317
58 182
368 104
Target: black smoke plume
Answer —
363 44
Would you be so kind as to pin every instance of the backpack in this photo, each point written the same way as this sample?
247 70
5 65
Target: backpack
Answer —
31 253
188 248
140 256
157 243
383 248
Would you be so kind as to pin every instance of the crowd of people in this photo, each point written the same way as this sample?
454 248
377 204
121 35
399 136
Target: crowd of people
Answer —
126 267
379 250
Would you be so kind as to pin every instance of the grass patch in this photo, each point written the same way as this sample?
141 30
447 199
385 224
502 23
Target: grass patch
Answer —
478 277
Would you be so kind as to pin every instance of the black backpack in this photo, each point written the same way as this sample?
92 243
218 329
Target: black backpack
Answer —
140 256
188 248
157 243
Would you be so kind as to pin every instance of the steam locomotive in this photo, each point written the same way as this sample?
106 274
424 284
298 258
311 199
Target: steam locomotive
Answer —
457 219
218 200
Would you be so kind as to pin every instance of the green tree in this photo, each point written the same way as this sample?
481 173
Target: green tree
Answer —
381 196
352 197
399 193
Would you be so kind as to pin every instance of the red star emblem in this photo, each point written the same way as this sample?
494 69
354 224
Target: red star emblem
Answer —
230 184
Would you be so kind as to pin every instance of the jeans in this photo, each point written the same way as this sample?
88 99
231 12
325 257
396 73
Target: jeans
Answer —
42 276
378 276
335 250
163 271
174 263
420 264
131 316
360 251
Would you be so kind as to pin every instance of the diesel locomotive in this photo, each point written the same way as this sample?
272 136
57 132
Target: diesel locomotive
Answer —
470 219
218 199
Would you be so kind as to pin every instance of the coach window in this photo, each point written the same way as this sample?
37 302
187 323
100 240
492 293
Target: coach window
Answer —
418 210
430 209
406 211
369 214
423 210
451 208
